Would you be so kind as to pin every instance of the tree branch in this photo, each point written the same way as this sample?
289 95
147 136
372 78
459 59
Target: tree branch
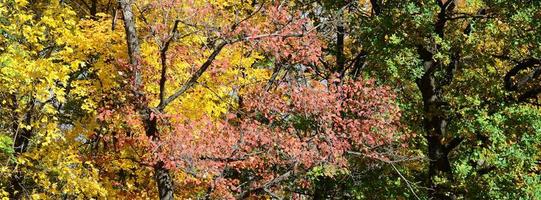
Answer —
265 186
453 144
529 94
376 9
163 58
190 82
524 64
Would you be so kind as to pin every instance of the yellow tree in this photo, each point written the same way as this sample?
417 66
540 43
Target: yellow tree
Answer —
36 46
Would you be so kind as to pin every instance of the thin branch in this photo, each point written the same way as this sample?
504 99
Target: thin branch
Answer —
470 16
448 3
230 159
406 180
265 186
248 17
274 196
275 72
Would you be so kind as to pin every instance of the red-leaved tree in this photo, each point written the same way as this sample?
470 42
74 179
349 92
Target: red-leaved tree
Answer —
277 136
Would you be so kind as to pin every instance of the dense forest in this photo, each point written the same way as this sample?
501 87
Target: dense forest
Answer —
270 99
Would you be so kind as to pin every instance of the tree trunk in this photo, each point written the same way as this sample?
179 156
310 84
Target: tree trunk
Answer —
435 126
164 181
131 39
434 107
20 145
162 177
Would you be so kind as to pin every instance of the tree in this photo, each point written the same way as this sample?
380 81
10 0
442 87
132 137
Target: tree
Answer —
35 67
271 143
452 63
225 99
265 29
212 40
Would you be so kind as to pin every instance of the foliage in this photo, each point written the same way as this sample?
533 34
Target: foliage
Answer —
226 99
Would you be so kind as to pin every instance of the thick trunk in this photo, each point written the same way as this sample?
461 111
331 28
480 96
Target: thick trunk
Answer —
162 176
434 107
164 181
435 125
